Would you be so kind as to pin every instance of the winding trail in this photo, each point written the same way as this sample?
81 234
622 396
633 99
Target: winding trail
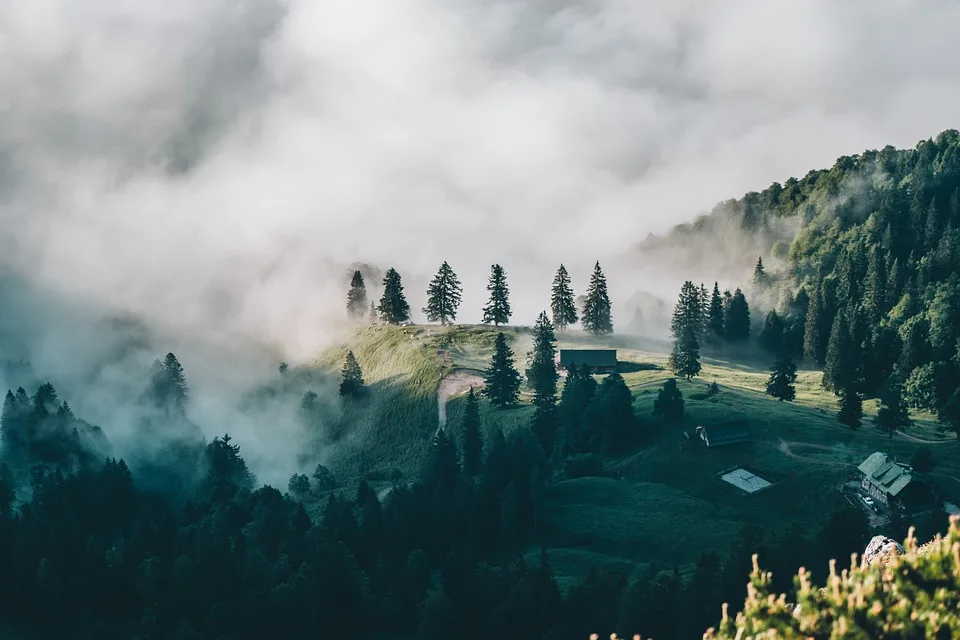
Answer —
455 383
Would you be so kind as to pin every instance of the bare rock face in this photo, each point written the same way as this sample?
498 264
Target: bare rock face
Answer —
881 548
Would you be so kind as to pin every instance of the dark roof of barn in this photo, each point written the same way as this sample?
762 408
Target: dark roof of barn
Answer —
727 433
589 357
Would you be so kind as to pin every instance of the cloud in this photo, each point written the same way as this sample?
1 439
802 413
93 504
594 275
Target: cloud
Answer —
212 165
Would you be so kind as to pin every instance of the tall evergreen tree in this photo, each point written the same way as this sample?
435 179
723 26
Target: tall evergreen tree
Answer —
839 369
169 385
610 416
715 314
851 408
596 318
393 306
578 390
783 375
772 338
685 357
543 378
669 401
472 447
759 274
687 312
704 307
497 310
501 378
736 322
814 342
892 414
443 296
351 381
562 304
357 297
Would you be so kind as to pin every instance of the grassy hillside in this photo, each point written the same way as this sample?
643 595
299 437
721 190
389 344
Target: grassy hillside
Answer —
660 503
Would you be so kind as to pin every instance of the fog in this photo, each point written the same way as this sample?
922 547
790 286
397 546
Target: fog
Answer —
213 167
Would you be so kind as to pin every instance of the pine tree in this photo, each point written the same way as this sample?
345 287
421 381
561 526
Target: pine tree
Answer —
851 408
839 369
892 413
874 290
443 296
373 313
814 342
393 308
472 447
357 297
169 386
687 312
704 307
772 338
736 322
501 378
759 275
685 357
715 314
543 378
596 318
783 375
562 304
497 310
351 383
669 401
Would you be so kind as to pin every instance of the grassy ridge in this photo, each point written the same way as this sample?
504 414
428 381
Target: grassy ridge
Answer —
660 503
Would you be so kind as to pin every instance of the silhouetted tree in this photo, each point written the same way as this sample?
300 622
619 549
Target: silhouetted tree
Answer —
351 382
759 274
283 367
543 378
685 357
669 401
357 297
443 296
393 307
610 416
502 379
715 313
596 318
497 310
562 304
772 338
851 408
780 385
736 321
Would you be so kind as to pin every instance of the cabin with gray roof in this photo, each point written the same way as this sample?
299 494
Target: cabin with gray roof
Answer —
883 477
596 360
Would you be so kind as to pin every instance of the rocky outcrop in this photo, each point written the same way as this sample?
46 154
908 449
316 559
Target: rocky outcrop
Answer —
881 549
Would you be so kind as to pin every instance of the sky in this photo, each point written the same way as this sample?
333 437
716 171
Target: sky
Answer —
214 166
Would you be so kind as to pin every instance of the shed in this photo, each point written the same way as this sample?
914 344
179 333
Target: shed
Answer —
724 433
596 360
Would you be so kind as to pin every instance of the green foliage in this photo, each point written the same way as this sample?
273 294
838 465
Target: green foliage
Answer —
851 408
393 307
914 595
443 296
502 381
736 320
685 357
596 318
669 401
562 305
892 414
688 311
471 448
578 390
543 378
357 297
299 485
920 389
715 313
610 416
839 367
497 310
782 378
351 380
772 338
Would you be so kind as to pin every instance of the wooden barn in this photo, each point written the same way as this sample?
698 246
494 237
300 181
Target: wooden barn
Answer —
596 360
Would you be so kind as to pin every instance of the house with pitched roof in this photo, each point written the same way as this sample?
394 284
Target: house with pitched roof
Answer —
884 478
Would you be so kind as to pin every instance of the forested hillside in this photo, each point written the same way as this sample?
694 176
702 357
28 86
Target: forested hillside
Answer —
862 269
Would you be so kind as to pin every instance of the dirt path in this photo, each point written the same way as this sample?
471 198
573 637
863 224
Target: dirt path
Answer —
455 383
784 447
907 436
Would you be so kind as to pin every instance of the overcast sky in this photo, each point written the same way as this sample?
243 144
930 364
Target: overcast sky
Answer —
215 164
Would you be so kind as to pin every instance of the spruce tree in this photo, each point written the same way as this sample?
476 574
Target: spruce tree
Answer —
501 378
543 379
851 408
685 357
578 390
351 383
357 297
393 308
687 312
497 310
704 307
443 296
783 375
759 274
472 439
772 337
736 322
669 401
562 304
715 313
838 369
814 342
596 318
892 413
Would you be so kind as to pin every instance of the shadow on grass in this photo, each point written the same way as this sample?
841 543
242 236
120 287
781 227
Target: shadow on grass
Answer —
634 367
